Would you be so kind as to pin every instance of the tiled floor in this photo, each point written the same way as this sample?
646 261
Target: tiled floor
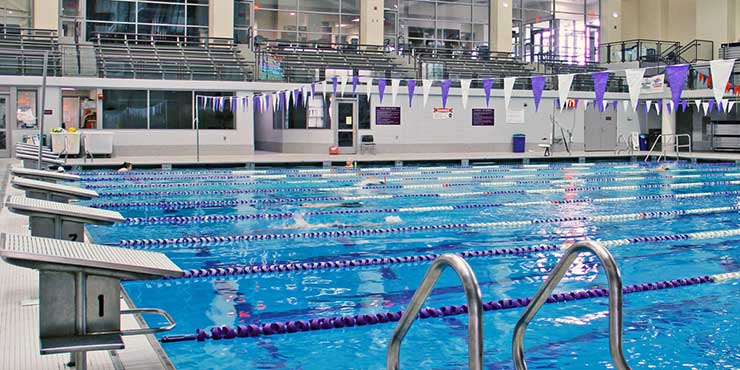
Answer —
19 328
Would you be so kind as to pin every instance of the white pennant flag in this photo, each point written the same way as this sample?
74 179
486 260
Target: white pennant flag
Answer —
305 93
649 104
605 105
508 88
323 88
465 90
342 83
395 83
730 105
295 97
625 105
368 87
721 70
697 102
564 82
585 104
274 101
705 105
263 102
669 106
634 82
426 86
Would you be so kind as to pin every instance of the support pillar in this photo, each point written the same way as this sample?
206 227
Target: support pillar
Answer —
46 14
499 26
221 18
668 126
371 22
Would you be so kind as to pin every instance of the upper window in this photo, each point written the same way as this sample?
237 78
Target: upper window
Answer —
15 13
171 17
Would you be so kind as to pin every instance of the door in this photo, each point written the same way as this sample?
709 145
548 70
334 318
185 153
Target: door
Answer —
600 130
4 132
346 129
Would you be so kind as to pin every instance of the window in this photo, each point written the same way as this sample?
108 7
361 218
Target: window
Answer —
443 24
335 21
210 120
363 113
318 112
242 21
171 110
297 114
15 14
171 17
124 109
26 109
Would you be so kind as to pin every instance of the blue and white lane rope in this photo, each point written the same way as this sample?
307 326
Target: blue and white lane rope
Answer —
255 269
315 324
392 230
185 220
238 202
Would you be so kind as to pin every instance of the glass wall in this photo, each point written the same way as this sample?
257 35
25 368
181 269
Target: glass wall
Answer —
314 115
242 20
461 24
325 21
561 30
173 17
15 14
157 110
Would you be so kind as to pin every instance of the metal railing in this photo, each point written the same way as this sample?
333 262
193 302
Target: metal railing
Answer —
475 310
666 141
627 141
615 302
697 51
640 50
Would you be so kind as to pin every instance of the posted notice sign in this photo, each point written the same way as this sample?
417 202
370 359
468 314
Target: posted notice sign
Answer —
443 113
483 117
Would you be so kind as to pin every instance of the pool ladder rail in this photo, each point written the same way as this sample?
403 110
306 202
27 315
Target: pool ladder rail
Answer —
669 140
475 306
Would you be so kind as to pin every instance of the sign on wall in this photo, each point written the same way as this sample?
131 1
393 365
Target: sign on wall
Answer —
515 116
483 117
443 113
653 85
387 115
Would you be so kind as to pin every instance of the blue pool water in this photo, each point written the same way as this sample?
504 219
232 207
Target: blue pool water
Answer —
691 327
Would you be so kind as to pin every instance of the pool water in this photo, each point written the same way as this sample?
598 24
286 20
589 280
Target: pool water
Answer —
190 214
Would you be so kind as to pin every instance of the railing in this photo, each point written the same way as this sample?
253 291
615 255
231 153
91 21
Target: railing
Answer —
628 142
666 141
171 40
696 51
22 51
475 310
615 302
640 50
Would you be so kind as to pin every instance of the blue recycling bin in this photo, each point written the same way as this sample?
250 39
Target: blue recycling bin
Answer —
518 141
643 142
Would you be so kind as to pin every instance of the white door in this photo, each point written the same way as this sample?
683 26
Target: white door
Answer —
4 131
346 128
600 131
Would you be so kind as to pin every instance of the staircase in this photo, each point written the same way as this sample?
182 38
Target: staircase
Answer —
79 60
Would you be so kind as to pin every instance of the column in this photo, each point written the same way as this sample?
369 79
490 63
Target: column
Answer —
221 18
371 22
499 26
668 126
46 14
611 30
715 21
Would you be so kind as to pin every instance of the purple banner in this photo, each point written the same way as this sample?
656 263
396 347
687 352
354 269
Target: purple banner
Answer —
600 79
487 85
538 85
334 86
381 88
445 86
355 81
676 78
411 84
710 108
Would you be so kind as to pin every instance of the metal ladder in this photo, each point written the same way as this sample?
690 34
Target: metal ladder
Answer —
628 142
615 302
667 140
475 310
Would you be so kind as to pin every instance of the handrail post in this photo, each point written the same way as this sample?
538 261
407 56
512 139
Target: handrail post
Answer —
475 310
615 302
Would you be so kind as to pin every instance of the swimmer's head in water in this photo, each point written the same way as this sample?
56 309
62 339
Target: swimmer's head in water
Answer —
352 204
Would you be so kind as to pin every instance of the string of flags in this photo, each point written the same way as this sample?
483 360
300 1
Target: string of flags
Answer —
676 75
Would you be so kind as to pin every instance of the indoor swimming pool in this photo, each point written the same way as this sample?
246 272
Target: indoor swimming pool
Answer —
309 267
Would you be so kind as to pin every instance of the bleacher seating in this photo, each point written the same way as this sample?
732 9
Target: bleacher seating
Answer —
22 50
157 57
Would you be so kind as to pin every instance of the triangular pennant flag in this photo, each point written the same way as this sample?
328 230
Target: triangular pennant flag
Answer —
669 107
411 85
256 103
711 106
355 81
604 105
721 71
684 103
342 84
659 106
615 103
295 97
313 90
426 86
464 91
368 87
538 85
564 83
625 105
585 104
281 101
698 104
274 102
508 89
676 75
705 106
245 103
304 94
600 79
395 83
445 87
381 89
323 88
648 105
634 83
334 81
487 85
730 105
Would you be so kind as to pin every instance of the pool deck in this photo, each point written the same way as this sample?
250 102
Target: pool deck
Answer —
271 158
19 314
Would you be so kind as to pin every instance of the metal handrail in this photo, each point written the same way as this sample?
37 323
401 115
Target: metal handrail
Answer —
628 142
614 280
663 138
475 310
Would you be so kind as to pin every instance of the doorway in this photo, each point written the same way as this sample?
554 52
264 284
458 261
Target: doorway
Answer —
600 130
346 129
4 136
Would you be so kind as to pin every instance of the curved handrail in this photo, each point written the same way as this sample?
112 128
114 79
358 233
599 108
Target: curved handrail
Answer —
475 310
615 302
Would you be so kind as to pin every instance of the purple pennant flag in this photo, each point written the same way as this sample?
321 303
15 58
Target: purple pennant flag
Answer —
268 103
445 86
256 103
381 89
668 108
659 106
355 81
232 103
676 78
711 106
577 101
281 100
313 90
221 104
296 95
411 85
684 103
487 85
538 85
245 103
334 85
615 104
647 107
600 79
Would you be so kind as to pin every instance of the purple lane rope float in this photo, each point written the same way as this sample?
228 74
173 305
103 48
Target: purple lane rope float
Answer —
135 243
239 270
315 324
184 220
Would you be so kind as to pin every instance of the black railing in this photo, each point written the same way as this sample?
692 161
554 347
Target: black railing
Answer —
697 51
653 52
